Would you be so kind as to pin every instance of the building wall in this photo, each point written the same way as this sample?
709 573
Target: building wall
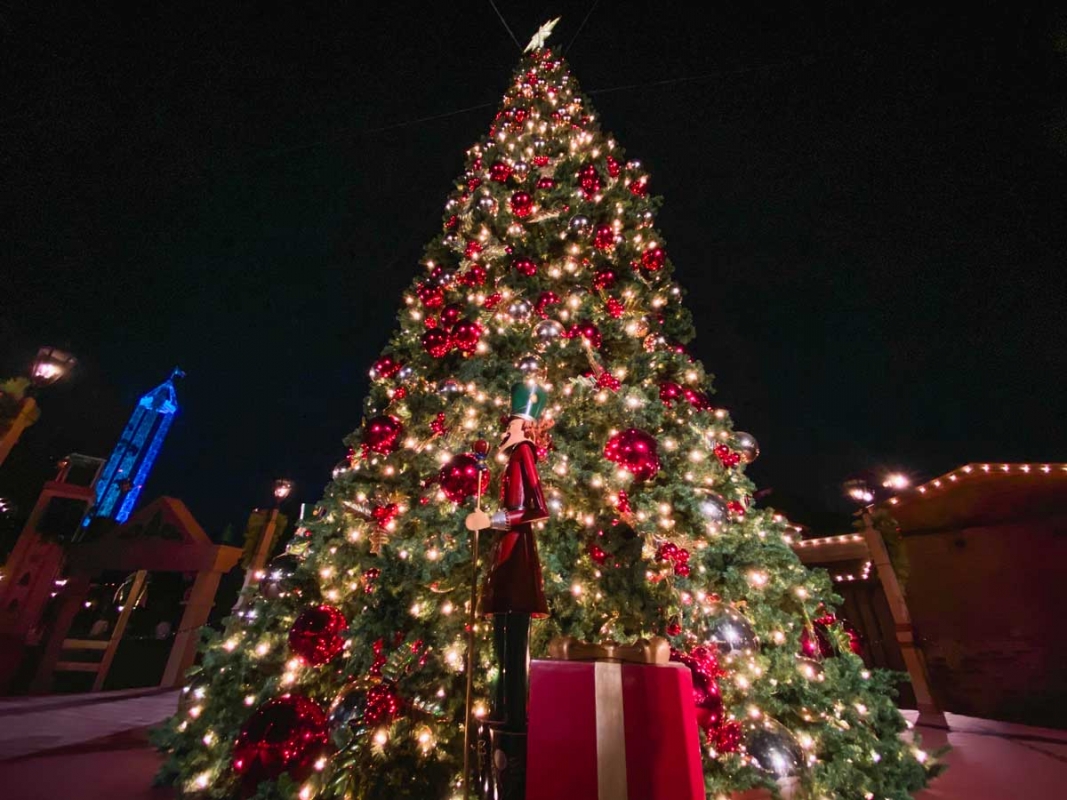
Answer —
990 611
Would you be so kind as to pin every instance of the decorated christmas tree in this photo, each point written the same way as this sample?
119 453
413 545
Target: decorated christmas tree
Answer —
547 298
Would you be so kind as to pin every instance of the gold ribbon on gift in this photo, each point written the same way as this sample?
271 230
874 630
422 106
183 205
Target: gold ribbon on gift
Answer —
656 650
610 715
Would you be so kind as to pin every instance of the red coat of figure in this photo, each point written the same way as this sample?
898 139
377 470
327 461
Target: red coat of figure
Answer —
514 583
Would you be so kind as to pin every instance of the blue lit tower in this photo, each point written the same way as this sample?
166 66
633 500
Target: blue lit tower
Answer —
127 469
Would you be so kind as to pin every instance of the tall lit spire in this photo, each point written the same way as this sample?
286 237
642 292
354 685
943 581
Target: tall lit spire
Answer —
131 461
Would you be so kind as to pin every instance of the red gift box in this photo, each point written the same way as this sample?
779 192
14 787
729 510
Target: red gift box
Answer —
607 730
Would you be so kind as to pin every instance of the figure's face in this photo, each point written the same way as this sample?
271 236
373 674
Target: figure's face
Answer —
513 434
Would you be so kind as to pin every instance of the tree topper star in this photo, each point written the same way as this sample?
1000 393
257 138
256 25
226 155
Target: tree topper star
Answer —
539 38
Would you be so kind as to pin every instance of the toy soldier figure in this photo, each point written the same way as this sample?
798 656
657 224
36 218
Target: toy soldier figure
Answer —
513 592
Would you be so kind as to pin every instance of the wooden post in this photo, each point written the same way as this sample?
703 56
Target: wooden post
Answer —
183 651
913 658
120 627
259 559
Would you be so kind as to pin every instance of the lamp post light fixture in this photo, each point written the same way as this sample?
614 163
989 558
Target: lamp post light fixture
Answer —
49 366
282 488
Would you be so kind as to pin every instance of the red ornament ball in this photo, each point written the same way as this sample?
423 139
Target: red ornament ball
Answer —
704 667
613 166
285 735
472 249
385 368
590 181
430 296
604 237
524 266
500 171
728 737
382 434
635 451
653 260
521 204
614 307
546 183
436 342
588 331
669 393
605 278
460 477
544 300
639 187
465 336
451 314
474 275
316 635
596 552
726 456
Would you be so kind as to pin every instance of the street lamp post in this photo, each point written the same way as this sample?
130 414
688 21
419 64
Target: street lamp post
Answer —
49 366
254 573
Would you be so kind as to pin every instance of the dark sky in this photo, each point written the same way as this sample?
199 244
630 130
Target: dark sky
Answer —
866 204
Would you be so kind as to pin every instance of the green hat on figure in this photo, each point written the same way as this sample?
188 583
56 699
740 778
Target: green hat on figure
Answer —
528 401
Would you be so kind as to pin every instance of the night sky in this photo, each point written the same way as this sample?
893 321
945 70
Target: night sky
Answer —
866 205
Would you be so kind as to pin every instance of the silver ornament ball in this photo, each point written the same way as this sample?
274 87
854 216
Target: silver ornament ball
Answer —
405 374
773 749
548 331
528 365
747 446
449 388
730 630
520 310
713 509
280 571
580 224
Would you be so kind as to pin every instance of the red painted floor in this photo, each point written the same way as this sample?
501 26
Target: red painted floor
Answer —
95 747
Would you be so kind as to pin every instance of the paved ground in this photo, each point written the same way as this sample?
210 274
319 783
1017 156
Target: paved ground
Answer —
95 747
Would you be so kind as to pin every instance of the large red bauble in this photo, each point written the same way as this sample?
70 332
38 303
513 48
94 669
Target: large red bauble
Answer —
465 336
382 434
546 183
451 314
524 266
670 392
586 330
316 635
431 296
635 451
459 478
521 204
436 342
285 735
639 187
654 259
604 237
384 368
500 171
